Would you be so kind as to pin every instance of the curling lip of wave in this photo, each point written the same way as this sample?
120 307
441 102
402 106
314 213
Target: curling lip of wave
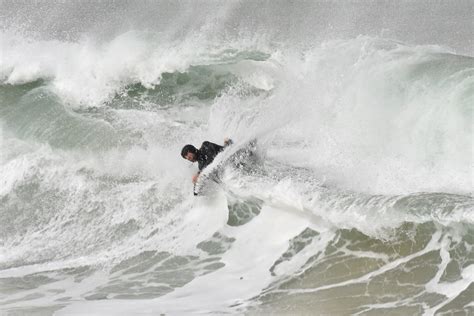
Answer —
88 74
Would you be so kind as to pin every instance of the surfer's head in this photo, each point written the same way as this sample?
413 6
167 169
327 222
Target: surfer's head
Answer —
189 152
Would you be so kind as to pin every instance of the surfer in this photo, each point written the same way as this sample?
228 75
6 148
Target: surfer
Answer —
204 155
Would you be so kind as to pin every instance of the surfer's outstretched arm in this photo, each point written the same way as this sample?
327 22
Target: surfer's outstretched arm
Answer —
196 176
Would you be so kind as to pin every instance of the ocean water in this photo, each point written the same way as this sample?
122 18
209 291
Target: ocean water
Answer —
356 200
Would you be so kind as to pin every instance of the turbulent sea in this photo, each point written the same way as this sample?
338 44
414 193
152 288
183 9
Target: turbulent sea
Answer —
358 199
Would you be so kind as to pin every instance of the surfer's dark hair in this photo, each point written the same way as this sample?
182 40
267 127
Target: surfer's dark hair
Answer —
187 149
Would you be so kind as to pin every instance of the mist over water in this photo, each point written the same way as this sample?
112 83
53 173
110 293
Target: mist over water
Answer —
355 199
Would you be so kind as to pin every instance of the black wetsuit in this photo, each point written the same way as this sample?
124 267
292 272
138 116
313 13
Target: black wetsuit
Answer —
207 153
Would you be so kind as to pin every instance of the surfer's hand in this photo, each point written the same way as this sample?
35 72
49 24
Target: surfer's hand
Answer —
195 177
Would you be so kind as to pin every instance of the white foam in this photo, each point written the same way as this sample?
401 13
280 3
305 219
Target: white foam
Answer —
367 114
347 111
245 274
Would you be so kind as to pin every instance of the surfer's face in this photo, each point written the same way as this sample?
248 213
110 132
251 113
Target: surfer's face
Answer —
190 156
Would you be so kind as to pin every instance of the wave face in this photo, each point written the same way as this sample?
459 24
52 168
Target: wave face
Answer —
357 200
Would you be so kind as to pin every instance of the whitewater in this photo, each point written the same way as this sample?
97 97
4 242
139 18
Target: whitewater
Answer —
356 199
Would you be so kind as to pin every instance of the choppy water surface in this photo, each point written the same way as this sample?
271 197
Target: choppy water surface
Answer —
357 198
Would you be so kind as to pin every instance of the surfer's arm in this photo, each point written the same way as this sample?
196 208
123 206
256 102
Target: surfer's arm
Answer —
227 142
211 149
196 176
